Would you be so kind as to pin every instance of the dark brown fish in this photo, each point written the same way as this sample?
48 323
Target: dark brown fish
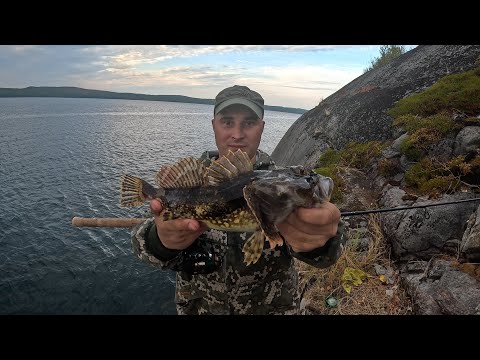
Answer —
229 195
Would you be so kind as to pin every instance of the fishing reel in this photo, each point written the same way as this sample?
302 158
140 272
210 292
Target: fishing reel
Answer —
198 260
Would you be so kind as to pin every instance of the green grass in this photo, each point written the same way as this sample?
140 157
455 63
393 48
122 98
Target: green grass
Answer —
456 92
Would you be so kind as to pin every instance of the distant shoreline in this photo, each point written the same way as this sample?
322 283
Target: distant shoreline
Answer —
75 92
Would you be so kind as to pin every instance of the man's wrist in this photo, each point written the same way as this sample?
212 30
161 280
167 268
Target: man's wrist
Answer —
327 254
156 247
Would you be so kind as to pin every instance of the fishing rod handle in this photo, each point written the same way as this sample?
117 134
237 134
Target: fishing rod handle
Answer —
106 222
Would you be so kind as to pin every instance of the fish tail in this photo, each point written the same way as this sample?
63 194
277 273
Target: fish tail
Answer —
135 191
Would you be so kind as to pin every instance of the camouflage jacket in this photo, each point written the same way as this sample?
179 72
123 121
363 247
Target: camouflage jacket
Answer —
269 286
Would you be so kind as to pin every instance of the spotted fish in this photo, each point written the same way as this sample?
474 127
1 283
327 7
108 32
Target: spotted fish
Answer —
230 196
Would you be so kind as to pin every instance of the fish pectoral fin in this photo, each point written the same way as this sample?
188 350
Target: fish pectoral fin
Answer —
267 227
253 247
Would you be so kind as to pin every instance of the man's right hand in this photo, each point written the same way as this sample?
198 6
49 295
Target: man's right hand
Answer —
176 234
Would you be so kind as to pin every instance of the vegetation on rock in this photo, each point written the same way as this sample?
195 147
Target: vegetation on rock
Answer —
428 117
387 54
456 93
355 155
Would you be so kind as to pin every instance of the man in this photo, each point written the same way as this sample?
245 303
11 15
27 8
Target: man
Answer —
225 285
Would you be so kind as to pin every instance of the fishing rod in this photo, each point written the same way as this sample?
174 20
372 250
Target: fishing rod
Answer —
362 212
130 222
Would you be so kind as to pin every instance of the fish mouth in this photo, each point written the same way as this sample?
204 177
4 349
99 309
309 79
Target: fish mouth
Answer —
316 191
323 188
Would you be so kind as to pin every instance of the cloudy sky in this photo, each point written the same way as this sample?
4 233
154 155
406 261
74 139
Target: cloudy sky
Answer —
292 76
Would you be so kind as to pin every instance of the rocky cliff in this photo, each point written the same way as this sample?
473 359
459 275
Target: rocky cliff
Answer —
436 249
357 112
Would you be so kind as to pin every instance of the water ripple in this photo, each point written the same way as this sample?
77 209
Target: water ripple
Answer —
61 158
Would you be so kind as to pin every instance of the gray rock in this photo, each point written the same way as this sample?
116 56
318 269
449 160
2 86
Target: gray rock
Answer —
415 266
467 140
422 233
394 149
443 290
470 245
389 153
399 177
442 150
379 269
404 162
363 244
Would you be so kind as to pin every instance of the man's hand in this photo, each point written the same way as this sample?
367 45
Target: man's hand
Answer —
307 229
175 234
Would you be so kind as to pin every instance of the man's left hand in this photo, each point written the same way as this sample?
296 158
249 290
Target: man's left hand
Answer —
307 229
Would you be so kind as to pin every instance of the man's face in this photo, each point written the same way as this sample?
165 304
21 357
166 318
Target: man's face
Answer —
237 127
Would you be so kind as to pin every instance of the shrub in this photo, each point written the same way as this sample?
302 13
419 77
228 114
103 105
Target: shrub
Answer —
409 150
359 155
388 167
387 54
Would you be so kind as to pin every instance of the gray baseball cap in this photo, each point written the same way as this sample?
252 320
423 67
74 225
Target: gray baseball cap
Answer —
239 95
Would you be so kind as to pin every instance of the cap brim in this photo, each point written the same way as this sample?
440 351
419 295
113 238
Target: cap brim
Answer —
251 105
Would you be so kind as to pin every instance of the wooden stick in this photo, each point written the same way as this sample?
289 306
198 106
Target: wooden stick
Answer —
106 222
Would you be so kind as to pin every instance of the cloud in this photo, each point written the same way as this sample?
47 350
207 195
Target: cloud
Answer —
191 70
293 85
17 49
121 56
281 85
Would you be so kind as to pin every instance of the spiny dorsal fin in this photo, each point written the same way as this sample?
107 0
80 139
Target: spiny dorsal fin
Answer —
186 173
229 166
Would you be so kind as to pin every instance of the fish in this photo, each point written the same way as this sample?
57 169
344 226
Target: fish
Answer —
229 195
